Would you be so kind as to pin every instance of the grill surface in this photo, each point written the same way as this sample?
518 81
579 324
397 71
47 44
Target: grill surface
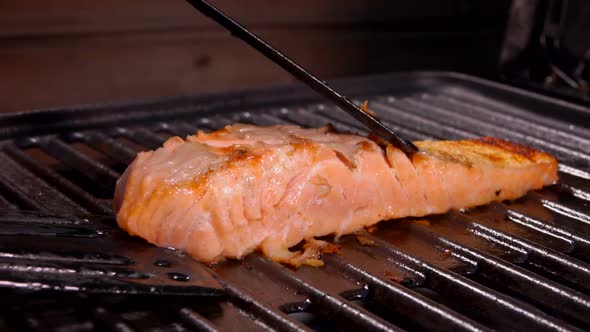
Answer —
519 265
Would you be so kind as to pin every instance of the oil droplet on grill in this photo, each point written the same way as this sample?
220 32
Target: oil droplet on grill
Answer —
162 263
176 276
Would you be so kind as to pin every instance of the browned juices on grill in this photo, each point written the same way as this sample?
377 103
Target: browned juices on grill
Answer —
227 193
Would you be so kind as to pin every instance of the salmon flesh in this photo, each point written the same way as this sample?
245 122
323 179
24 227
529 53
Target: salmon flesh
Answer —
227 193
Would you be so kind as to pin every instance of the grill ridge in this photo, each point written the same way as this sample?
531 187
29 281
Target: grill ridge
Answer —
525 283
396 297
580 243
88 202
500 307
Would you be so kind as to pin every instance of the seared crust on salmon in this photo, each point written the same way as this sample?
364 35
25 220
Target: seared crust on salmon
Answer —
242 188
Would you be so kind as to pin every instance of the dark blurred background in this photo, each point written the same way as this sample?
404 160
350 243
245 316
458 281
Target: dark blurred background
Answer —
66 52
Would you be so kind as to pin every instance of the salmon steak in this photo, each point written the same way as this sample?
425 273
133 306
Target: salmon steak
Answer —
243 188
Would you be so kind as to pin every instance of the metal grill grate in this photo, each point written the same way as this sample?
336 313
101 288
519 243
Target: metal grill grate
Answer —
518 265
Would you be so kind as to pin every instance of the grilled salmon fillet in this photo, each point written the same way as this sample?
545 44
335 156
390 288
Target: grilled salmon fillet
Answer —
242 188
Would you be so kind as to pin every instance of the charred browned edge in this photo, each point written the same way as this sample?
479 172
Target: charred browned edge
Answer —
329 128
444 156
235 157
237 153
240 156
303 144
365 146
516 148
378 140
347 162
215 133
